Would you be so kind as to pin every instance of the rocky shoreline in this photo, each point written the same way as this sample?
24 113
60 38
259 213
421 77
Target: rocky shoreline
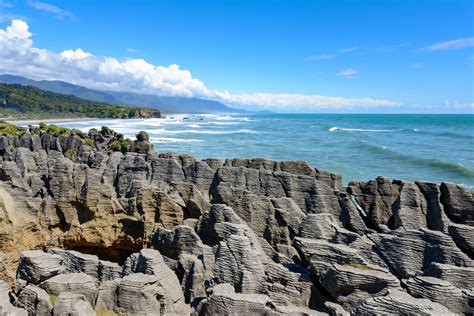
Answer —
127 230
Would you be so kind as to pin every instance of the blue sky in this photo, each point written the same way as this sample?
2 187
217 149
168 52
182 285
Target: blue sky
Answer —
289 56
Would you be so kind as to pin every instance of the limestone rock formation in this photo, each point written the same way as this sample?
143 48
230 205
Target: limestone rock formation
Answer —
73 304
6 306
398 303
353 284
76 283
139 232
36 266
440 291
224 301
35 300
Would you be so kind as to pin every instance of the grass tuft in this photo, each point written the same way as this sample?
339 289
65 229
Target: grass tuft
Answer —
53 298
105 312
360 266
70 153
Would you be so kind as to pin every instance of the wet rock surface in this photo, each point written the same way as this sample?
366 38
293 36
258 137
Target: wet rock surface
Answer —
146 233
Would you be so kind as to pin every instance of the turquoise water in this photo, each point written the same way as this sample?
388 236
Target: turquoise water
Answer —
360 147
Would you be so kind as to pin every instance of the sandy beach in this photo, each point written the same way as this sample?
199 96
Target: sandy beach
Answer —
22 122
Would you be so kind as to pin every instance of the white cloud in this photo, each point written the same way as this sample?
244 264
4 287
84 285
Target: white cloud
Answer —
49 8
19 56
17 30
11 16
452 44
459 105
16 35
75 54
331 56
133 51
348 50
348 73
287 101
320 57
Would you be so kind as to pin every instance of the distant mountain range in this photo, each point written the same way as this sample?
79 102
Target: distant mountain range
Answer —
164 104
21 101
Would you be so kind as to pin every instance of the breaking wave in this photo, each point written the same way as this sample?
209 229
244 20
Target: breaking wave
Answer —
335 129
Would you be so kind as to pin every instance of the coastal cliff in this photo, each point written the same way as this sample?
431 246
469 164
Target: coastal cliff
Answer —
125 229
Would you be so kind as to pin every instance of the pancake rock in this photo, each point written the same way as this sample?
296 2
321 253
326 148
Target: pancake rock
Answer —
130 230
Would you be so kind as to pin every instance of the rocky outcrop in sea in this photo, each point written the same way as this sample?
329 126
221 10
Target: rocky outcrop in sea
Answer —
133 231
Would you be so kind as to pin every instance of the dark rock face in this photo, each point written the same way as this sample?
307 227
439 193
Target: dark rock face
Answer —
140 232
142 136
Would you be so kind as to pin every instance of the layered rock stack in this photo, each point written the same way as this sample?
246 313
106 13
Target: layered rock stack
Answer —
144 233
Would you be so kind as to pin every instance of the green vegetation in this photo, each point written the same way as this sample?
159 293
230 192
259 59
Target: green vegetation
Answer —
106 137
125 144
26 101
360 266
114 146
89 142
70 153
105 130
9 129
119 145
56 130
53 298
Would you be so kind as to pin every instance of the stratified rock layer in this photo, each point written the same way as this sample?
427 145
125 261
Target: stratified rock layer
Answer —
147 233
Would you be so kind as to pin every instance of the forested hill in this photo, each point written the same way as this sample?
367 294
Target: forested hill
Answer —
18 101
170 104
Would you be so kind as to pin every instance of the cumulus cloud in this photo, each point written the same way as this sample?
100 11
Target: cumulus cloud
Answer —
452 44
348 73
18 29
49 8
75 54
19 56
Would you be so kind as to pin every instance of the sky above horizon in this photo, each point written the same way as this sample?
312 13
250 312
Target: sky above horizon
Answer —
285 56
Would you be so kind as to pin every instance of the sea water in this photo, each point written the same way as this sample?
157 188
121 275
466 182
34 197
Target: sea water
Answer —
359 147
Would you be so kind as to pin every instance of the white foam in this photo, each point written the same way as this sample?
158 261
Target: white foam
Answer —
173 140
194 125
223 123
222 132
233 118
200 131
334 129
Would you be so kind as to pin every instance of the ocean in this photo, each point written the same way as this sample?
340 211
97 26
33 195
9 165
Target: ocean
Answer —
359 147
